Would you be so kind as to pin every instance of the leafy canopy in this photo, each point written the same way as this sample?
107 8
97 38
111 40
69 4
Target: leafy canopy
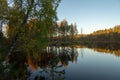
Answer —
29 21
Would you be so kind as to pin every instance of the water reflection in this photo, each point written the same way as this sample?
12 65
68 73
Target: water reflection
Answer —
53 63
49 65
13 68
108 51
104 50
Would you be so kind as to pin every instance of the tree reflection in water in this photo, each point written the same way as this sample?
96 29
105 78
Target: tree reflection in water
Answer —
52 63
49 65
108 51
13 68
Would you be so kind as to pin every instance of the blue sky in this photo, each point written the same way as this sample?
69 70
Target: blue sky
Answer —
91 15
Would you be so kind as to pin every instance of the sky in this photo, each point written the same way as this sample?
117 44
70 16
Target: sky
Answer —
90 15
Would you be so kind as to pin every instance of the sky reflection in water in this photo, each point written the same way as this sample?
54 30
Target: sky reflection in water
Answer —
92 65
88 65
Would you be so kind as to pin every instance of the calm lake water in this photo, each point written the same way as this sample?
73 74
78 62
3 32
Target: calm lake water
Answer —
93 65
65 63
81 64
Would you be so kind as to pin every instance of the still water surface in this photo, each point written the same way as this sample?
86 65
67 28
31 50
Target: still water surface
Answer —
93 65
80 64
63 63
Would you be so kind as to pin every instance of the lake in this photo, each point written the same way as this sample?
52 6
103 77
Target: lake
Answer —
80 64
66 63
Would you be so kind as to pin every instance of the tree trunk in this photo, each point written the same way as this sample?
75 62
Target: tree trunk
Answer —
14 42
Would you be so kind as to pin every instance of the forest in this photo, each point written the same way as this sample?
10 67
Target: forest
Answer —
108 38
66 35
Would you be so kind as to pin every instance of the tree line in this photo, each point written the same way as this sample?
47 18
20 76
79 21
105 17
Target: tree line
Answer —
108 38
